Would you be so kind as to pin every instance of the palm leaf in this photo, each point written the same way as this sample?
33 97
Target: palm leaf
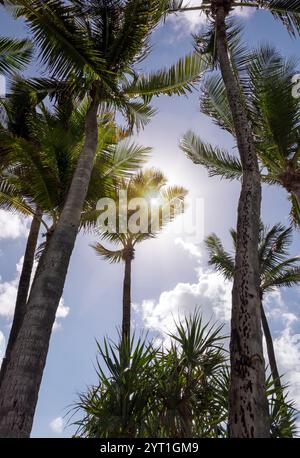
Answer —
14 54
216 160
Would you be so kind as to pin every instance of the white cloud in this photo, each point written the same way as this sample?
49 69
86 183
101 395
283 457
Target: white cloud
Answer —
287 349
190 21
12 226
191 248
62 312
213 295
210 292
57 425
2 346
8 295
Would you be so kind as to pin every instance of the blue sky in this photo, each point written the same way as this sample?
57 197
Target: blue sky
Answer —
170 274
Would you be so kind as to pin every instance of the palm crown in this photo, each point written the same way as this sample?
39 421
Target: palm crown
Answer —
274 114
286 11
277 269
163 204
92 48
39 153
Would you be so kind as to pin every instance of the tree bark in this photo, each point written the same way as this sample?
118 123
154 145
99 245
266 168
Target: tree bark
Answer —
21 383
23 287
248 406
127 300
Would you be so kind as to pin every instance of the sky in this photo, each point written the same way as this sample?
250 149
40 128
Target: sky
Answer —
170 274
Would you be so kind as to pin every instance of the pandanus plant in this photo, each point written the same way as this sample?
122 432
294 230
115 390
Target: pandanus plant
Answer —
90 49
159 204
176 389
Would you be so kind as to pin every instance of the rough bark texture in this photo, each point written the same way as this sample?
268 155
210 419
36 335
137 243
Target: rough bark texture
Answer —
248 407
23 288
21 383
127 299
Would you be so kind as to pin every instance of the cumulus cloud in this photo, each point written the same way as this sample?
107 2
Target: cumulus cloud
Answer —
190 21
287 348
12 226
8 295
191 248
210 292
57 425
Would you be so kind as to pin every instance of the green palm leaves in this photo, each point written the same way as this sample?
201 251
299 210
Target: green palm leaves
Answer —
276 267
14 54
161 208
274 114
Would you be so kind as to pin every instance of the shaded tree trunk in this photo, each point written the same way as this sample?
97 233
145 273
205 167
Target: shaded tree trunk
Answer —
248 406
23 287
23 375
270 350
127 299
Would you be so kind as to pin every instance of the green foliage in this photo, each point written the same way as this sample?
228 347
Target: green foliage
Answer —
150 391
277 268
147 184
14 54
178 388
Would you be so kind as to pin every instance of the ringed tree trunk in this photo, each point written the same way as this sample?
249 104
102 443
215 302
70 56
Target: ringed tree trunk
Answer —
23 287
23 375
126 320
248 405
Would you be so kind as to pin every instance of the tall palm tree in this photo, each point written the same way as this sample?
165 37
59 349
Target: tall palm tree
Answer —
248 411
40 151
276 269
91 47
163 204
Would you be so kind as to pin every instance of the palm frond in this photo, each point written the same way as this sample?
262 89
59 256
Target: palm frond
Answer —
113 256
14 54
217 161
181 78
219 258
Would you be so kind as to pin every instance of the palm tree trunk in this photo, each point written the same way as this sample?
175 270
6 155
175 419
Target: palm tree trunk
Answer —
21 383
270 351
23 287
248 406
127 300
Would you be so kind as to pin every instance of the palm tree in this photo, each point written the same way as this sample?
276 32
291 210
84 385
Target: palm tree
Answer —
162 205
91 47
275 115
40 151
249 413
277 269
